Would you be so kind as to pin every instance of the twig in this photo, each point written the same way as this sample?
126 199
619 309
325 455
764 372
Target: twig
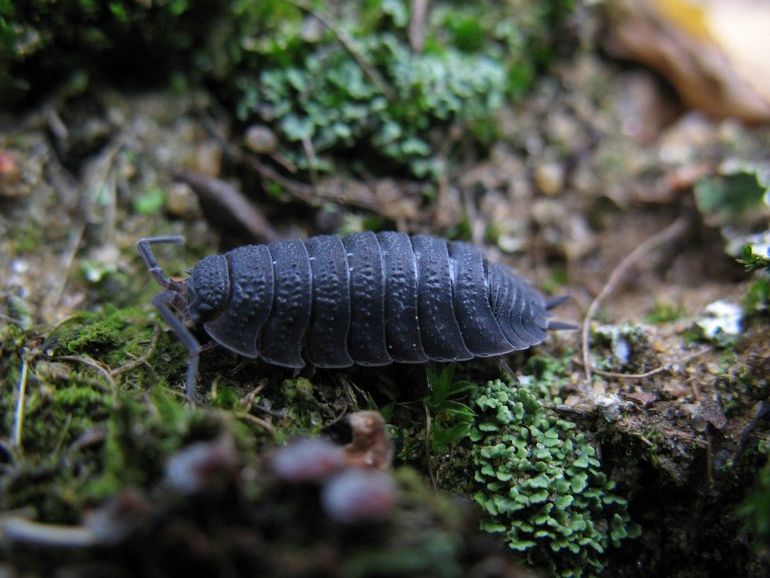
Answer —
264 424
67 261
650 373
428 426
417 24
90 362
62 435
307 147
248 400
338 418
16 529
232 201
674 230
131 365
99 174
296 188
300 190
18 416
347 44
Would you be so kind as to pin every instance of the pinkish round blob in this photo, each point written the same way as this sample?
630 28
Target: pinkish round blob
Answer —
359 496
308 460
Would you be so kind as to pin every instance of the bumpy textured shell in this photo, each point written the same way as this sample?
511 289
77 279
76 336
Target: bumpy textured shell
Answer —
368 299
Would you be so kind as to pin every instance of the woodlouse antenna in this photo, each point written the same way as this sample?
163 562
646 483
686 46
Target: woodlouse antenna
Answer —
162 302
145 251
172 296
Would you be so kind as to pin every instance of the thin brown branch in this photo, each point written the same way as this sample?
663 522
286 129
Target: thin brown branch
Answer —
17 322
674 230
428 427
131 365
67 262
232 202
312 161
264 424
296 188
92 363
419 14
646 374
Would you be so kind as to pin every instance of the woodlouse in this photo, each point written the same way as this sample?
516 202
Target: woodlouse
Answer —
367 299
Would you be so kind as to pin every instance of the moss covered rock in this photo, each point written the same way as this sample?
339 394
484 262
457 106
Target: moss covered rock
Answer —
541 483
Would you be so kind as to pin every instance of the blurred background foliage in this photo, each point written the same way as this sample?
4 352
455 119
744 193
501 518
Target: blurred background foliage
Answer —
327 77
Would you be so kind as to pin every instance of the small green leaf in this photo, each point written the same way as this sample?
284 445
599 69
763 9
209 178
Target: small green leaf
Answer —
150 202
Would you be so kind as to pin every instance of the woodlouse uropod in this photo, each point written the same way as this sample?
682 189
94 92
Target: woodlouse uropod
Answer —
367 299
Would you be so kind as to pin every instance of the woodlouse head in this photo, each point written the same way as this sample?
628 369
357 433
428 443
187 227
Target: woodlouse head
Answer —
207 289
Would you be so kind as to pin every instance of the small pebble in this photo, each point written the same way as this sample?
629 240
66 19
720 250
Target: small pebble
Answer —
549 178
182 201
260 139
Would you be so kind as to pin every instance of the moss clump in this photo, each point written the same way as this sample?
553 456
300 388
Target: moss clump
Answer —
119 339
142 432
110 335
327 77
664 312
542 484
182 490
364 84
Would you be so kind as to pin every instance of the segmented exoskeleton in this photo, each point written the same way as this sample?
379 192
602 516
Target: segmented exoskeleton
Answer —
367 299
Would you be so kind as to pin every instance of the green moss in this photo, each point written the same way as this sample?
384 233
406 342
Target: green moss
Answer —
117 338
541 483
302 413
141 434
363 85
737 190
451 417
757 298
664 312
79 379
327 99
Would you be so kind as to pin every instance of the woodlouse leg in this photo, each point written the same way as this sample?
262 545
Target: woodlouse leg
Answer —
145 251
161 302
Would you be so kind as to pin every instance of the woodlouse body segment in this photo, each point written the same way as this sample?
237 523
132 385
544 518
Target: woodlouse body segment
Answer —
440 331
283 336
366 299
366 341
249 303
327 340
402 324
